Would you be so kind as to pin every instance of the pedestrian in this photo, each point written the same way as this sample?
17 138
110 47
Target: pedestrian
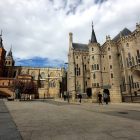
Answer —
80 97
100 98
106 98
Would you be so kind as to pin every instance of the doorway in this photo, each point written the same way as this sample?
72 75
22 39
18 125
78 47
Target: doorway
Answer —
107 91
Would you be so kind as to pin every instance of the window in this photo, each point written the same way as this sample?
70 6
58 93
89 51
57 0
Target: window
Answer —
108 48
33 75
42 75
14 74
75 71
132 81
138 55
135 85
77 83
51 85
110 66
76 57
85 67
97 66
138 85
42 84
136 60
94 84
94 76
9 62
84 57
130 63
127 45
97 84
92 49
77 66
7 74
109 56
127 62
54 84
129 56
86 83
94 66
93 57
79 71
111 75
104 68
6 62
103 56
129 79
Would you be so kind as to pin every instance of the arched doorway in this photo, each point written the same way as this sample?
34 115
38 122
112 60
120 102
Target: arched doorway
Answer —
89 92
107 91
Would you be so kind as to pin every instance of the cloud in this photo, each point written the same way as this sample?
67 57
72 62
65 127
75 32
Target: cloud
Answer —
41 28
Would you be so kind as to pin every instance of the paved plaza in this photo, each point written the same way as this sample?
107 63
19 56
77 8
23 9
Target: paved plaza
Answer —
58 120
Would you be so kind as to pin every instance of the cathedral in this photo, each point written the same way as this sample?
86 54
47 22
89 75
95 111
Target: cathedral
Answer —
112 67
51 81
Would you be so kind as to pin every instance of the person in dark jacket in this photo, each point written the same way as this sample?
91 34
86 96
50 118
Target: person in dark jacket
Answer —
80 97
100 98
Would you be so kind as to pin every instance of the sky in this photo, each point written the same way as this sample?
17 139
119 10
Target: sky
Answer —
38 30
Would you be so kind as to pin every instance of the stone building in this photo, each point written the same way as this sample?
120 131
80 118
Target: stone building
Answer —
51 81
104 68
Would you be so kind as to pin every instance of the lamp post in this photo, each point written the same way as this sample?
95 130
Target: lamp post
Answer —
54 87
68 80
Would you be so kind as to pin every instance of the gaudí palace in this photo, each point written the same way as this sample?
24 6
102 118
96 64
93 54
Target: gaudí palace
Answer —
113 67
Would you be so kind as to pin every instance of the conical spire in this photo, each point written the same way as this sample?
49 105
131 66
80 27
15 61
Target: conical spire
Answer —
9 55
93 37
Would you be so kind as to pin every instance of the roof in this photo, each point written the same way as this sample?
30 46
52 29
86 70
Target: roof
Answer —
93 36
78 46
9 55
124 32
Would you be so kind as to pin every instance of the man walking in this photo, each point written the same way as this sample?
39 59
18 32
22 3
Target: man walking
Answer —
100 97
80 97
106 98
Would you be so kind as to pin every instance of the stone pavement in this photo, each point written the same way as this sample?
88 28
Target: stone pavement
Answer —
8 129
55 120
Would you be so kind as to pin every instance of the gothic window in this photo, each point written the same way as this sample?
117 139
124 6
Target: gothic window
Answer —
110 66
94 76
42 75
97 84
92 49
77 66
108 48
33 75
109 56
84 57
133 62
6 62
132 81
127 62
127 45
130 63
135 85
104 68
76 57
94 84
14 74
97 66
103 56
138 85
85 67
9 62
138 55
79 71
86 83
77 83
93 57
42 84
94 66
129 56
54 84
111 75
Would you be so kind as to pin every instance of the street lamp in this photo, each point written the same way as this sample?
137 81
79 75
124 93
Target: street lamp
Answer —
68 79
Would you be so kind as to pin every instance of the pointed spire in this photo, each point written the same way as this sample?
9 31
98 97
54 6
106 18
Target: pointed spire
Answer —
93 37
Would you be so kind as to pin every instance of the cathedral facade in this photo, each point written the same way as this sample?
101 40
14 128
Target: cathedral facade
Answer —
51 81
112 67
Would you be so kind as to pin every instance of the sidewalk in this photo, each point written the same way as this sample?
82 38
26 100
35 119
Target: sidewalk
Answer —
8 129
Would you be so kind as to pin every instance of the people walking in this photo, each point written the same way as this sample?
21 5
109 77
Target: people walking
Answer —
80 97
106 98
100 98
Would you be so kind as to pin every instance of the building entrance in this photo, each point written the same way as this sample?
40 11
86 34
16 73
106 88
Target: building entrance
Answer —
107 91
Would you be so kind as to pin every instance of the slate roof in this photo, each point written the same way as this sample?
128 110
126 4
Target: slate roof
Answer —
93 36
78 46
124 32
9 55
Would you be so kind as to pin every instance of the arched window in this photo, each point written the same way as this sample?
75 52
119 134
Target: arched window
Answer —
133 62
127 45
9 62
54 84
42 75
138 85
93 57
103 56
92 67
109 56
94 76
42 84
129 56
92 49
108 48
14 74
130 63
138 55
111 75
77 66
76 57
97 66
33 75
110 66
97 84
127 62
77 83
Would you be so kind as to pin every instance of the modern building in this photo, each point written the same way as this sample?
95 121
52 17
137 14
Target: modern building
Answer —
105 68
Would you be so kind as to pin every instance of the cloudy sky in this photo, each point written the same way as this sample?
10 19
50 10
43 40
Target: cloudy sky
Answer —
39 29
